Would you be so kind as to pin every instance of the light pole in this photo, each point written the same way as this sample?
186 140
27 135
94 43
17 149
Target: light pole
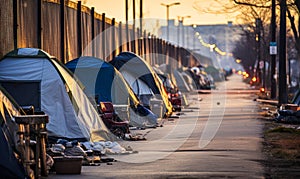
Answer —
168 6
194 29
180 21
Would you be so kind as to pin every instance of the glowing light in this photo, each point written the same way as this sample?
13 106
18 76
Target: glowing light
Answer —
254 79
238 60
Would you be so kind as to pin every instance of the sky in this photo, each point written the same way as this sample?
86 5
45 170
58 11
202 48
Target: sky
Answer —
154 10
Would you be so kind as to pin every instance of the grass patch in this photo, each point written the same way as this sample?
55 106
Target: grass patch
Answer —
284 130
284 143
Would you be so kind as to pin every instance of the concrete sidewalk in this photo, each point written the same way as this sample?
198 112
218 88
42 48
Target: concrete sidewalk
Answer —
218 136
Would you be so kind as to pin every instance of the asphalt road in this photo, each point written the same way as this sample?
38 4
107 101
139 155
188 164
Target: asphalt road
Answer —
217 136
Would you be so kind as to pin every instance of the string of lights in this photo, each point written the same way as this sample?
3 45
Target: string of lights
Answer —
213 47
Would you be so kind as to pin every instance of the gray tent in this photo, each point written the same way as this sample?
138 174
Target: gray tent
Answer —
10 167
180 81
32 77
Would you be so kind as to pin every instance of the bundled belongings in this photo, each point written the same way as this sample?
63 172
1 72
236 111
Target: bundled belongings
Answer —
288 116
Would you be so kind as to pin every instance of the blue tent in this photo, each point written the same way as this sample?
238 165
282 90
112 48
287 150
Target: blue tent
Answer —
101 80
104 82
137 67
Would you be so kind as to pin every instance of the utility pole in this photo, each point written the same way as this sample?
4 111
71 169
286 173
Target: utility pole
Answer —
141 18
273 55
181 19
126 25
258 50
282 55
168 6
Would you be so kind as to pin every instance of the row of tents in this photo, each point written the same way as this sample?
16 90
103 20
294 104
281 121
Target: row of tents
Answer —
69 93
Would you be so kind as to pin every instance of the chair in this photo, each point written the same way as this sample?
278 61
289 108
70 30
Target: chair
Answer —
109 118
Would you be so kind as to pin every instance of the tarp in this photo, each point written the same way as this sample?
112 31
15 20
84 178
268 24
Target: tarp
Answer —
105 81
71 115
137 67
9 165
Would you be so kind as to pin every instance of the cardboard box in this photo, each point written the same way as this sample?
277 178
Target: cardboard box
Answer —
68 164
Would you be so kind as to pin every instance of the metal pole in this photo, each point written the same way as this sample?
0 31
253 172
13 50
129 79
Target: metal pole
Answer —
79 36
167 6
39 24
93 29
120 38
282 55
62 31
15 23
182 34
126 10
103 36
141 18
127 33
133 11
178 32
273 57
113 38
145 39
133 28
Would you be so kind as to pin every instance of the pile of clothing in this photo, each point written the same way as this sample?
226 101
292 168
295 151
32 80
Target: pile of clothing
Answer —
288 116
92 152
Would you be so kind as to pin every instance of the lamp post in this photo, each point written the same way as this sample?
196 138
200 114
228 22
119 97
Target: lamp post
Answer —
180 21
168 6
194 29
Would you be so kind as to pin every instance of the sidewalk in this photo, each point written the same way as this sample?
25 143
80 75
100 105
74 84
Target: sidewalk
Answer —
186 147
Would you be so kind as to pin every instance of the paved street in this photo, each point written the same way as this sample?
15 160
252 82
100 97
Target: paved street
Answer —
217 136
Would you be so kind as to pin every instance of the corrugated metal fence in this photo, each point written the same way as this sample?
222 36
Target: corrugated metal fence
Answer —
68 30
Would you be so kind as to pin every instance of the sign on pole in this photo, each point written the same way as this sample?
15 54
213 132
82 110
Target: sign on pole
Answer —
273 48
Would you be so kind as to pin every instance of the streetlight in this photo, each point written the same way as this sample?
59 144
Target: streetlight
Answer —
180 20
167 6
194 27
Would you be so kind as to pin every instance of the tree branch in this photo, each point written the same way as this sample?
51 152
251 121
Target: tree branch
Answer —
293 26
249 4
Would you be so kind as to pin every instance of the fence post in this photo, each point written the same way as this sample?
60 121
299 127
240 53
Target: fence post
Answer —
93 30
62 31
113 38
138 41
15 23
133 39
145 40
103 36
120 38
39 24
79 37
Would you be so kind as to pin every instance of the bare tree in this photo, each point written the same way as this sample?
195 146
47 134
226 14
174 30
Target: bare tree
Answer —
249 10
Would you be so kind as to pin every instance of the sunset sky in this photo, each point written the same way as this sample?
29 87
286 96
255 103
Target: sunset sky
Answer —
154 10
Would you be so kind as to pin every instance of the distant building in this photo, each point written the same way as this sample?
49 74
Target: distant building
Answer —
203 38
